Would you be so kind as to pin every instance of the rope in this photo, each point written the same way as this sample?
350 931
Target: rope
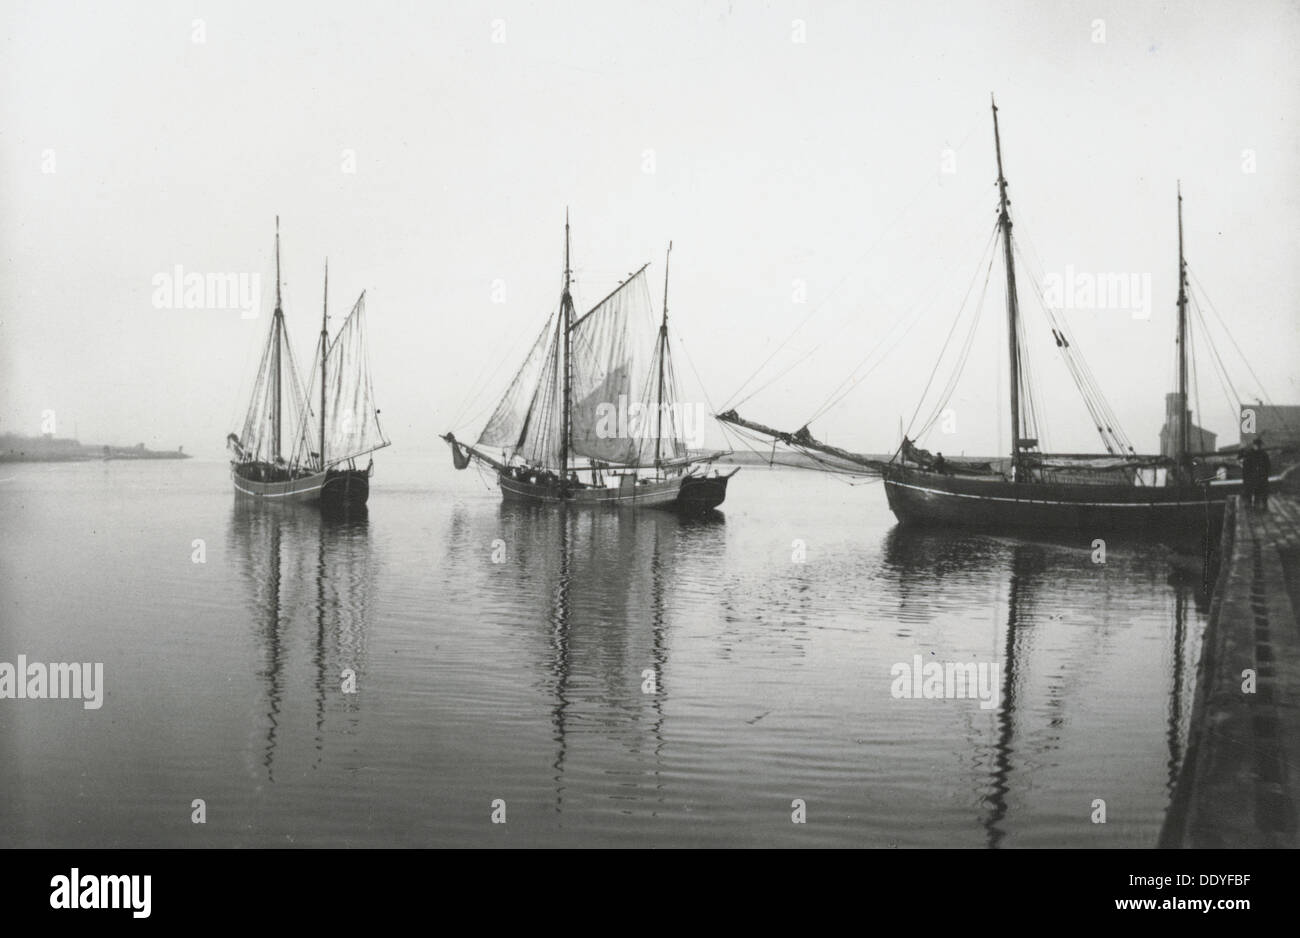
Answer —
953 328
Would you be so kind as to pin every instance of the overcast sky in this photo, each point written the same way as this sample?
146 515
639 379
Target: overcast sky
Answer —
791 151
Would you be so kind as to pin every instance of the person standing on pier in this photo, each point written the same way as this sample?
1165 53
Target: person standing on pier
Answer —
1255 470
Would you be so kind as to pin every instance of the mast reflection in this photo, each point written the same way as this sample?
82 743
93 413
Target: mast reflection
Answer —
604 578
307 575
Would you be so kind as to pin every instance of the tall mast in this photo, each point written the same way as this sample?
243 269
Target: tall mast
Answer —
566 305
1183 421
276 333
1013 310
663 350
324 336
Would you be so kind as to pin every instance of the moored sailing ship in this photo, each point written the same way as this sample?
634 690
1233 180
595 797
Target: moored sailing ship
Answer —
321 465
563 427
1167 496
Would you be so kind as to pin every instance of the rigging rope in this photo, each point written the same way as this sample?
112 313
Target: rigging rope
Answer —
951 329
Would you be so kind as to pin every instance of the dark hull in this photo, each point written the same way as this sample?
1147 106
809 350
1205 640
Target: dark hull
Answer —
345 488
918 497
333 489
688 495
700 495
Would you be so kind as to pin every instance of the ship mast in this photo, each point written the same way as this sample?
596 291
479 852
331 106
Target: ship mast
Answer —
1013 312
1182 448
566 319
324 336
663 351
279 328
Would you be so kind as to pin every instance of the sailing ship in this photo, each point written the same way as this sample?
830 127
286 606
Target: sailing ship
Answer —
321 465
591 417
1120 490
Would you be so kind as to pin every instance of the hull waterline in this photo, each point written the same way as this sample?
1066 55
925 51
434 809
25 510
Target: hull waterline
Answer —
334 488
919 497
688 494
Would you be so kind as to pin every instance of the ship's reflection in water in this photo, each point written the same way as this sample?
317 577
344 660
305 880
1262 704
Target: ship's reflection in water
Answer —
604 579
619 678
611 678
1056 625
307 576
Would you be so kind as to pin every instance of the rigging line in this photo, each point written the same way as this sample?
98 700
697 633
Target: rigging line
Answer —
953 327
959 366
485 379
1094 402
853 386
854 313
1262 390
777 377
1225 382
853 378
833 291
1196 393
1214 349
955 377
1029 387
1094 399
543 342
1073 364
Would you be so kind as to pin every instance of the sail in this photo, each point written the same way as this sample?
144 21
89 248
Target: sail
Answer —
611 349
258 438
614 390
507 422
541 434
351 419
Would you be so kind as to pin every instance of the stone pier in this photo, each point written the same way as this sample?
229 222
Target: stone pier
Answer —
1240 782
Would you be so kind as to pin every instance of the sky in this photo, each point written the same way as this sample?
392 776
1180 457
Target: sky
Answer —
825 172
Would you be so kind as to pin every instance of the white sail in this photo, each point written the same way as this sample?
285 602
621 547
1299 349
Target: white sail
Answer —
257 438
506 425
611 349
351 426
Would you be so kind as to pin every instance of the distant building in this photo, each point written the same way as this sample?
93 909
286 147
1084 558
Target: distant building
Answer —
1199 440
1278 425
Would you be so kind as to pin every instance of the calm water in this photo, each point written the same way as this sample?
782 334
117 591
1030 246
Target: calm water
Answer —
521 680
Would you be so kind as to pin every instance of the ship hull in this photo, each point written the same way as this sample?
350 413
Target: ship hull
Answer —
334 488
688 495
345 488
700 495
919 497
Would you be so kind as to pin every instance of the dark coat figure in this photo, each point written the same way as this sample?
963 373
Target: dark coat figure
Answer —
940 464
1255 471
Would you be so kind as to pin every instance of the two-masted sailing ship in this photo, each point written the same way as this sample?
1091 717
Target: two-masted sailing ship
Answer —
1118 490
319 462
592 418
